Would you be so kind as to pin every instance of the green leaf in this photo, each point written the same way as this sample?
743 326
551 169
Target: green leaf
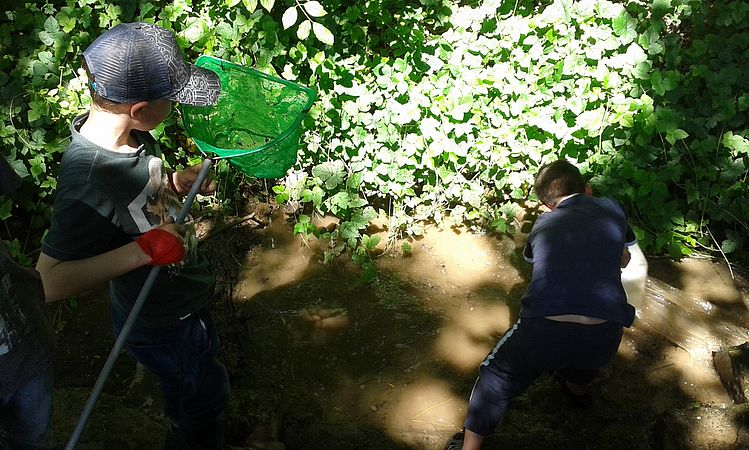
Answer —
5 209
226 31
728 246
281 197
359 218
289 17
46 37
34 115
196 31
51 25
500 225
592 121
675 135
323 34
370 242
660 8
315 195
314 9
354 181
250 5
667 119
737 143
676 250
625 26
303 31
331 173
304 225
744 102
231 3
267 4
66 22
348 230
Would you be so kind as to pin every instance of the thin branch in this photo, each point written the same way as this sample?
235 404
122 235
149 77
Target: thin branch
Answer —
721 252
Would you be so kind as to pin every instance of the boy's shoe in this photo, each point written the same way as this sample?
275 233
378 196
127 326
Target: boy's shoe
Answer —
578 400
455 442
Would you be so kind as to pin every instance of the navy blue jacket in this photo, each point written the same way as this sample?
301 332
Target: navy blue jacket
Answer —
576 252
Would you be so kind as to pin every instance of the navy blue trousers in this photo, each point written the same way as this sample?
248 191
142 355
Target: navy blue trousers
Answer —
194 384
26 415
530 348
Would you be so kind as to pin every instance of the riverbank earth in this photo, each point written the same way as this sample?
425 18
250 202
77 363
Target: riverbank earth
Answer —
319 359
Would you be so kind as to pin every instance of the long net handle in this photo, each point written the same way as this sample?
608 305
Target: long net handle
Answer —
133 316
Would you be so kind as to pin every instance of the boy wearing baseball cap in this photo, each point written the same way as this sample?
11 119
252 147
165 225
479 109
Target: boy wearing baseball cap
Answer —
113 219
26 345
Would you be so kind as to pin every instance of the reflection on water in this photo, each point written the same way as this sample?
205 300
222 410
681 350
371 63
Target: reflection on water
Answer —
683 317
686 320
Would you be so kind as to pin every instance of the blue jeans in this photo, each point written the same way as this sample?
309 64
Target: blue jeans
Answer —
530 348
26 415
194 384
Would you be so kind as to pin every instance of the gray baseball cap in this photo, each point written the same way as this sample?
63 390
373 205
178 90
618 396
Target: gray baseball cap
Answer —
135 62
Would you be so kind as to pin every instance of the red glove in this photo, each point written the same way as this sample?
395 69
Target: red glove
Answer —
162 246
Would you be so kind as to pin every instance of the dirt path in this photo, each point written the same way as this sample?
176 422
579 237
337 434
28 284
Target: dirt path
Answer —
320 360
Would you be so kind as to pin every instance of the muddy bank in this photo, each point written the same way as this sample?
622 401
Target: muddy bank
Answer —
319 359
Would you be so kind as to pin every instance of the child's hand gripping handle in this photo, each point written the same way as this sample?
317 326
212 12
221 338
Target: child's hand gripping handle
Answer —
163 247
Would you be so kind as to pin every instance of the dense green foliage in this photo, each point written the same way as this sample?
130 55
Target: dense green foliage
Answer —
438 110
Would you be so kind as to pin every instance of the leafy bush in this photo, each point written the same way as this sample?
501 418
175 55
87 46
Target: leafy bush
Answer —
438 110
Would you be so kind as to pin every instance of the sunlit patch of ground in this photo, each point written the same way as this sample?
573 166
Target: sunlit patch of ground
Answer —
280 259
425 406
470 334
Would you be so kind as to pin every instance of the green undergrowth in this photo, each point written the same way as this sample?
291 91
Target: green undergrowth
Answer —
435 110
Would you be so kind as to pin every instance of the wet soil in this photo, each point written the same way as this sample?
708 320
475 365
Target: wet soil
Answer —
319 359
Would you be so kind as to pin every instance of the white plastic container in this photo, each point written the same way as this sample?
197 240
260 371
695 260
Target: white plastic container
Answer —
634 277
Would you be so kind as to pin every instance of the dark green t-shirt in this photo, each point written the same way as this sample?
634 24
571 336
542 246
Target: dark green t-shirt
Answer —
104 200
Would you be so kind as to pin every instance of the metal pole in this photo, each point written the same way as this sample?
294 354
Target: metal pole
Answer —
132 317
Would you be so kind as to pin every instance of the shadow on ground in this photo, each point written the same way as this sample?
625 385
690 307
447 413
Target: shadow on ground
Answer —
319 359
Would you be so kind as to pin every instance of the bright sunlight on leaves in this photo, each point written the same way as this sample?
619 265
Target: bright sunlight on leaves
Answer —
303 31
323 34
314 9
289 17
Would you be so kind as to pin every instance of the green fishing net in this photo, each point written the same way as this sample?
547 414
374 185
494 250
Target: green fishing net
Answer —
256 122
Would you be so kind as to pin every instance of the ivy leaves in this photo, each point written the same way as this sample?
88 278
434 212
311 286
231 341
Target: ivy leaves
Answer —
459 123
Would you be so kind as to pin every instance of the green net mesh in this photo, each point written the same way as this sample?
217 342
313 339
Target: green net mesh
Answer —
256 122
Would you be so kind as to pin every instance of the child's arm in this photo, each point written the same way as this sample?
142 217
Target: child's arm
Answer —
62 279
